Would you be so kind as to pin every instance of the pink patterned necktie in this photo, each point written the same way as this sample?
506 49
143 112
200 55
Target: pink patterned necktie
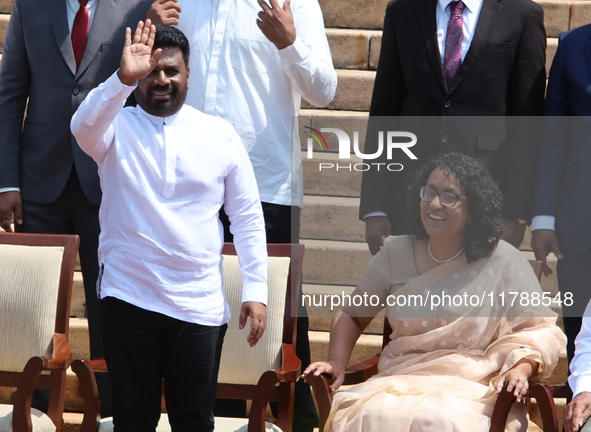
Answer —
452 59
80 31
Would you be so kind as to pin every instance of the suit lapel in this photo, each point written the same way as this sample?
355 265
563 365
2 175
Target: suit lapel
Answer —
100 25
489 13
59 22
429 30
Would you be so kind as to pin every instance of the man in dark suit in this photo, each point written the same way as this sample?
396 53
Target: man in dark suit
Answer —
563 178
501 56
47 184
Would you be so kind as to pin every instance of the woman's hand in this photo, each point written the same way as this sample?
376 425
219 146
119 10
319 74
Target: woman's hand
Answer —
517 378
318 368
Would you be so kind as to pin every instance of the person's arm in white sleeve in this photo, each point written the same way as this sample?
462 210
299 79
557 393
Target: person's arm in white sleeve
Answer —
92 123
580 367
578 411
298 33
243 206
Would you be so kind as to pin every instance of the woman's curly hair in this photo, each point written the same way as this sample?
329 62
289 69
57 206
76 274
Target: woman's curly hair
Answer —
484 202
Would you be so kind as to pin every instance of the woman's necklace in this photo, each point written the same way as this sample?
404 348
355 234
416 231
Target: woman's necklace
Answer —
445 260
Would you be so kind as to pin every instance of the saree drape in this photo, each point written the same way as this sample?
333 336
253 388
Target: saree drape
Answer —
439 369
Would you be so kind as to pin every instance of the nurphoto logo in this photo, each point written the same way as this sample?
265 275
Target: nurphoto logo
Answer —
315 135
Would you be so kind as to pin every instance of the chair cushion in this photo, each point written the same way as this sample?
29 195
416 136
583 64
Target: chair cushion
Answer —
29 281
227 424
106 424
41 423
222 424
241 364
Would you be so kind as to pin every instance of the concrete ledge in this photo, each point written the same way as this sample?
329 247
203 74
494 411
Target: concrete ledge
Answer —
330 182
79 338
353 91
368 14
375 46
350 48
331 218
320 315
367 346
551 47
334 263
77 308
348 121
580 14
6 6
556 16
3 27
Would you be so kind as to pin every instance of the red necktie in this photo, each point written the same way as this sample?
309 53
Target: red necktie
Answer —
80 31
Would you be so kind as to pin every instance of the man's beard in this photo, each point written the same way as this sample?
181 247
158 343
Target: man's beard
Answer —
165 108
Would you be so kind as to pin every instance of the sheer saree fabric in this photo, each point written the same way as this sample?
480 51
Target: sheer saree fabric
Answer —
439 369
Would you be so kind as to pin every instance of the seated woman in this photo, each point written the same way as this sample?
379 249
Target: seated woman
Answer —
448 359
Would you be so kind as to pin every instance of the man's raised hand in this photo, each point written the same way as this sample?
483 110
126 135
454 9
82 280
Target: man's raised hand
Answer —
276 23
164 12
137 59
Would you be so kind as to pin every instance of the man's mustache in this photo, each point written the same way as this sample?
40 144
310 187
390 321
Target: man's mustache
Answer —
164 88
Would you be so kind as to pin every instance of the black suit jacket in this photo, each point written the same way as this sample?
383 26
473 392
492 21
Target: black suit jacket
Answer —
563 177
38 67
502 75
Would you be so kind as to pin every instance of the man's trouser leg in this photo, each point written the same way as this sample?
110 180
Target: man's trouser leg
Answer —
143 348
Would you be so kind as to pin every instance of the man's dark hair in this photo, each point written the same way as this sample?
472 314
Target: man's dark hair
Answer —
484 202
169 36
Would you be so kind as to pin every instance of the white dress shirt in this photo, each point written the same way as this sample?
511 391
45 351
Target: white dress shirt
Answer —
580 366
72 7
164 181
470 16
239 75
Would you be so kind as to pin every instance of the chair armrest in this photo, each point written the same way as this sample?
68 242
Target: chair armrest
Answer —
291 365
62 354
501 410
90 396
323 395
21 411
361 372
545 395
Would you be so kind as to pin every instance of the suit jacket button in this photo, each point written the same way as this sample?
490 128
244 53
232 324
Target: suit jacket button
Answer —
443 138
75 91
447 104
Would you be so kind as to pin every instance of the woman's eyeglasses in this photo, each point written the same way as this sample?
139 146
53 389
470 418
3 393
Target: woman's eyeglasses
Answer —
447 199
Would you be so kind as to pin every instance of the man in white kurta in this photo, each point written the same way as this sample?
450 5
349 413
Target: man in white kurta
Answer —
165 170
252 62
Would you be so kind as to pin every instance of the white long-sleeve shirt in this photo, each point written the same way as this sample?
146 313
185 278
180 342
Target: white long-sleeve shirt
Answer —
580 367
163 182
239 75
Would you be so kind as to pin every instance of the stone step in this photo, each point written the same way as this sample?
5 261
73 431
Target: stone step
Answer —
559 15
77 308
326 175
331 218
329 262
347 121
353 48
353 91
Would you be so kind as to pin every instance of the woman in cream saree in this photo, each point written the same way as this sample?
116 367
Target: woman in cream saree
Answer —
466 309
439 371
